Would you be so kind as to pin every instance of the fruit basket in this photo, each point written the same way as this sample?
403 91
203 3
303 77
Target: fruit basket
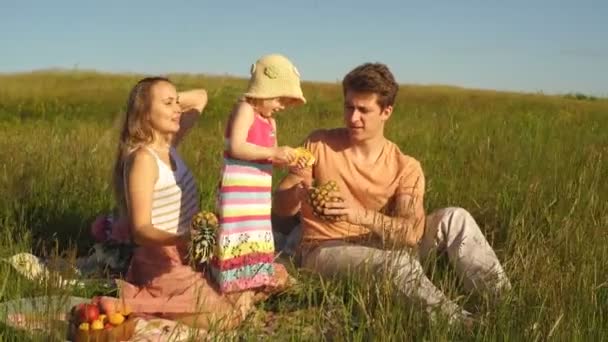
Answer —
88 323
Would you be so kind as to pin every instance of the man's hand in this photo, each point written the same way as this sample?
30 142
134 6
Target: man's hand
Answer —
350 210
301 192
396 231
304 172
292 191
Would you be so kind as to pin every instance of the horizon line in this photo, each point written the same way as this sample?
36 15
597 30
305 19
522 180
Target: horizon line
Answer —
310 81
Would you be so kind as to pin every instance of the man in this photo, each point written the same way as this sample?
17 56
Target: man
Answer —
380 213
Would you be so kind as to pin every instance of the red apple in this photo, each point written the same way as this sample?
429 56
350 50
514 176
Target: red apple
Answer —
89 313
75 312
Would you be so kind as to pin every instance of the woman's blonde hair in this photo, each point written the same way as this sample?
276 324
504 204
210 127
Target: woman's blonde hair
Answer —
136 131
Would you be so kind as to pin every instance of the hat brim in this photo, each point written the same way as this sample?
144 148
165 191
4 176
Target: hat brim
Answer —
300 99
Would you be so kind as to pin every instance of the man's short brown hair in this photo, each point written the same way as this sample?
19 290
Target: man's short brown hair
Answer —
372 78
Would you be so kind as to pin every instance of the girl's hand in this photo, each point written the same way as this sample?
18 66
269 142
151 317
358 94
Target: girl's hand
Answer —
283 155
298 166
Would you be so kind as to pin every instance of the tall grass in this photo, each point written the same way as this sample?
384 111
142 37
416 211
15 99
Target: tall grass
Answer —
531 169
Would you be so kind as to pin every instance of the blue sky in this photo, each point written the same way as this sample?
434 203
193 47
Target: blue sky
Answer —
549 46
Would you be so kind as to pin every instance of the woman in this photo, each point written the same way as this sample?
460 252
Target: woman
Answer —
156 194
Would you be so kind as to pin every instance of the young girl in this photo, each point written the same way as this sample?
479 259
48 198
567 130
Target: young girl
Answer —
245 251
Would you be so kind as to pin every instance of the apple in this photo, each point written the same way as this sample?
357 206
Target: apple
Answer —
89 313
75 312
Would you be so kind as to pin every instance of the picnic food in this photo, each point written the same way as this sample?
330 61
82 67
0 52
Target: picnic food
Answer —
320 195
96 325
204 229
87 312
116 318
303 153
88 323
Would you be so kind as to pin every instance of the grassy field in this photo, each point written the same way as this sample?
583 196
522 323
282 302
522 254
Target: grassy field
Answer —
532 170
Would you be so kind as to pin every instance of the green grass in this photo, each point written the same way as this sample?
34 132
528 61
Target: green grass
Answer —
531 169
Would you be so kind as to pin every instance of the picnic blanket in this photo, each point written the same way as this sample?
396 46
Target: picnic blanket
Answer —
49 316
59 272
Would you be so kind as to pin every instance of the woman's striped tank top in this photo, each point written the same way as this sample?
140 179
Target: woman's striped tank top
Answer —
175 198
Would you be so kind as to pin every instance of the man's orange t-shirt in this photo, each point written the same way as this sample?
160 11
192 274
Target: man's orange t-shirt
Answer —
375 186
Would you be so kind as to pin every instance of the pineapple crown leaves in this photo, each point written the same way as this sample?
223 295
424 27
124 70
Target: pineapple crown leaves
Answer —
303 153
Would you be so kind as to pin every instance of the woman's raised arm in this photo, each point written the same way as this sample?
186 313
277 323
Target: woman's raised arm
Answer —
192 103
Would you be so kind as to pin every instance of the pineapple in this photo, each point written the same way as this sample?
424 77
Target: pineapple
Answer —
302 153
320 195
204 228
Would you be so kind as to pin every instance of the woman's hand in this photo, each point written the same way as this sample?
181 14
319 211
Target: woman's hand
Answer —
192 103
193 100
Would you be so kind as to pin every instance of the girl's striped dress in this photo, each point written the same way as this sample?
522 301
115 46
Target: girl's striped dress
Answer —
245 251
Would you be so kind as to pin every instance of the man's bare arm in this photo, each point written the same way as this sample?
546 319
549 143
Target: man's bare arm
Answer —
404 229
287 199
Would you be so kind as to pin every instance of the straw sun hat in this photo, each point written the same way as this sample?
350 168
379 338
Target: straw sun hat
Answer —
274 76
